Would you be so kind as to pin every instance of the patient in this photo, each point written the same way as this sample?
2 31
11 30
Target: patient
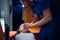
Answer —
24 34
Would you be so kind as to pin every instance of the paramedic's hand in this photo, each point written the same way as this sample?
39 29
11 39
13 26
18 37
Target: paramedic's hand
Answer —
27 25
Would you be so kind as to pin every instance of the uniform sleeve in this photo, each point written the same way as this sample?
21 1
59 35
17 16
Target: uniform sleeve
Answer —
44 4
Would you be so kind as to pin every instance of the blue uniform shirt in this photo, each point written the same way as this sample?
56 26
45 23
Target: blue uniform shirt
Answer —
48 29
40 6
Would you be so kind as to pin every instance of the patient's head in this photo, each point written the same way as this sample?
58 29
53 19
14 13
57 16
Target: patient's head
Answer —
23 29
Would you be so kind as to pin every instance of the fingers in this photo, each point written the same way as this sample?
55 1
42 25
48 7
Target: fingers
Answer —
27 25
23 28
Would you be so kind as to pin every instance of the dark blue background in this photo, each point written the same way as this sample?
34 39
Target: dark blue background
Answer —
17 14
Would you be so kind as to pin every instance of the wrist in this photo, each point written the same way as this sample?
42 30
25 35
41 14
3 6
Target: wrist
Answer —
32 25
36 24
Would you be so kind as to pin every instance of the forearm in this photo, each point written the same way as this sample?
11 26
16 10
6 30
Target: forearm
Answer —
46 19
43 21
